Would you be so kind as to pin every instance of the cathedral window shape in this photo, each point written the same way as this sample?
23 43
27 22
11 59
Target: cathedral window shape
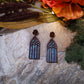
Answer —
52 50
34 51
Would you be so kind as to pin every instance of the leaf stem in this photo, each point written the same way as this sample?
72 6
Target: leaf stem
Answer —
41 9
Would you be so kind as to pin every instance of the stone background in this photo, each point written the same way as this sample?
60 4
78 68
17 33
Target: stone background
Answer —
16 68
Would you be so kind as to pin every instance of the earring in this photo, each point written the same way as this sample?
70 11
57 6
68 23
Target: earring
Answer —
52 50
34 51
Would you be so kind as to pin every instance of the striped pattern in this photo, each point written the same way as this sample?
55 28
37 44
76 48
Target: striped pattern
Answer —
52 52
34 52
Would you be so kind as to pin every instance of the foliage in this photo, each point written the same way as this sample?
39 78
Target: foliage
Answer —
75 52
75 25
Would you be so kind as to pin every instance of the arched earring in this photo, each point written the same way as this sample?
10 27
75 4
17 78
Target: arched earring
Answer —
34 50
52 50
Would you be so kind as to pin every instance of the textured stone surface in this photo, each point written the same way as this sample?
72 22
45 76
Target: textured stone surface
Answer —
14 44
16 66
12 82
40 72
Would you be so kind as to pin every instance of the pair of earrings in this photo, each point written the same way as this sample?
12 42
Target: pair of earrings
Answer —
34 50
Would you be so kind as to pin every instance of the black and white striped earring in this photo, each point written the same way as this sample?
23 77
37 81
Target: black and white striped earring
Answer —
52 50
34 50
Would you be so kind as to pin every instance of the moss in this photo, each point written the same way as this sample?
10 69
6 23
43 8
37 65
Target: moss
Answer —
75 52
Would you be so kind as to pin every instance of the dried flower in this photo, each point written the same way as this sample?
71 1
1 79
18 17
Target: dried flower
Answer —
69 9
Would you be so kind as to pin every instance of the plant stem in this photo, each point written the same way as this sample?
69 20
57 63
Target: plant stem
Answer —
41 9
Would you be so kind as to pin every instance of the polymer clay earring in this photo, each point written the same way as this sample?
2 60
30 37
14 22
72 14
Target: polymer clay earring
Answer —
52 50
34 50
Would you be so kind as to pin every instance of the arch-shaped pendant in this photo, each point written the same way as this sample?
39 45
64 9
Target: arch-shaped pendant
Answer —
52 52
34 51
